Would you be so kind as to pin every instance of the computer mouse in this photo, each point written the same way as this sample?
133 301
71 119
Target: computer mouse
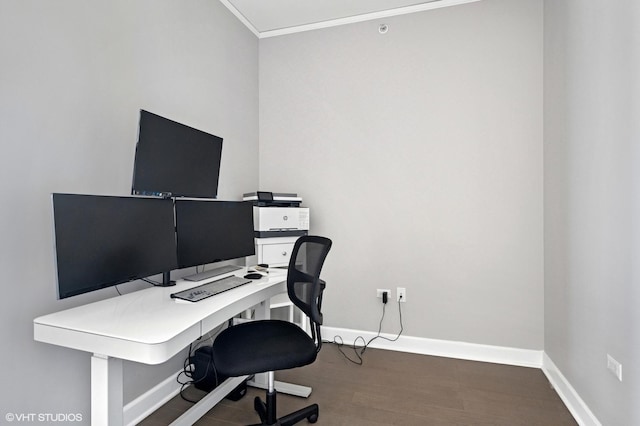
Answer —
253 276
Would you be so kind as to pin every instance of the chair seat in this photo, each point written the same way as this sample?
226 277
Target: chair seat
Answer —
261 346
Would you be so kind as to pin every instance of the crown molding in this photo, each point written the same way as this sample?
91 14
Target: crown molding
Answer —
241 17
343 21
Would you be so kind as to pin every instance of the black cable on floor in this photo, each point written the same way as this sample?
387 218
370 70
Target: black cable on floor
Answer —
359 350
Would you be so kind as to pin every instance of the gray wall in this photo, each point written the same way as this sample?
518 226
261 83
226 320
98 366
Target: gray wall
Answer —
74 75
592 200
419 153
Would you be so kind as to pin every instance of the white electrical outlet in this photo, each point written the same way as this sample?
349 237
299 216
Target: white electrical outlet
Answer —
382 290
401 294
614 366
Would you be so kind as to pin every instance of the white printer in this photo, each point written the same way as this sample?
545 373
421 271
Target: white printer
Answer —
277 215
280 221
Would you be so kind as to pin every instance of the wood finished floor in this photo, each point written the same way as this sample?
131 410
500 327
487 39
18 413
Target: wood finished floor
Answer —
394 388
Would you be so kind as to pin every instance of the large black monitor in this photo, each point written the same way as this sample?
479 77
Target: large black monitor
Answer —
212 231
175 160
102 241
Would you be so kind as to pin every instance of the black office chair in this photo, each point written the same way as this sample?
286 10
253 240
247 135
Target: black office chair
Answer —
269 345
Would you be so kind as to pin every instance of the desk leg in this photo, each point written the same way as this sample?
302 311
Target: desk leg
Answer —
209 401
263 311
106 391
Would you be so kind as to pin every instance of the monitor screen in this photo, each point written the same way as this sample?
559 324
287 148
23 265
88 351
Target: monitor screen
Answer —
211 231
102 241
174 160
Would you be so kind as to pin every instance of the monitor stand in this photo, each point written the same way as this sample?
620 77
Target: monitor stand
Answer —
166 280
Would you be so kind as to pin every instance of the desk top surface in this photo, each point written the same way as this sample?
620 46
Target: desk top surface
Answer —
151 316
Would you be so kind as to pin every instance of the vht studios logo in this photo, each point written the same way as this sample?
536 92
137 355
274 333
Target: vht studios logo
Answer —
43 417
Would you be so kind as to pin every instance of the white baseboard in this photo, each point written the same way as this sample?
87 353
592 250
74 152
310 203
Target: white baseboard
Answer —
577 407
444 348
141 407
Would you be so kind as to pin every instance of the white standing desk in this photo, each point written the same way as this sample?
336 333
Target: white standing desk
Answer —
148 326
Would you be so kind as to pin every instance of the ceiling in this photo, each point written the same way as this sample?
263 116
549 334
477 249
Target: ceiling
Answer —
268 18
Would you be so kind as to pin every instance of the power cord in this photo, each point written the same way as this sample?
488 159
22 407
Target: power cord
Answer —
378 336
146 280
337 340
359 350
187 370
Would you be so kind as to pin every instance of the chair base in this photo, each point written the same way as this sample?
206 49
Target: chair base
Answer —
267 412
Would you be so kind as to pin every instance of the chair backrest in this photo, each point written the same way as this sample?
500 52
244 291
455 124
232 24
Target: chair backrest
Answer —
304 285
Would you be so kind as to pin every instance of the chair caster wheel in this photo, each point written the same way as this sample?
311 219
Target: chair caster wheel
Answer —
313 418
